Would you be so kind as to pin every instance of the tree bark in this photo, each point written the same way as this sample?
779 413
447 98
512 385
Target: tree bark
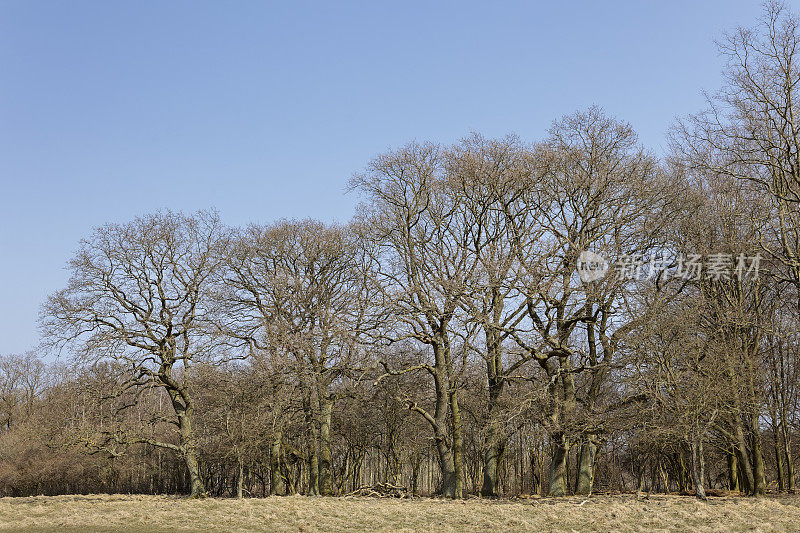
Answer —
585 480
458 458
276 484
491 462
742 456
325 477
759 475
493 445
240 481
558 466
733 472
184 410
197 490
698 467
439 421
776 441
787 454
448 489
313 449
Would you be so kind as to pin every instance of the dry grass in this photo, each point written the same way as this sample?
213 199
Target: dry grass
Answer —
297 513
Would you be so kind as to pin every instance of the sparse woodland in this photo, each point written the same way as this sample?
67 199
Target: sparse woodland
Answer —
443 340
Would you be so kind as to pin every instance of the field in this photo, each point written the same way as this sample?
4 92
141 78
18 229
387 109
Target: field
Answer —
117 513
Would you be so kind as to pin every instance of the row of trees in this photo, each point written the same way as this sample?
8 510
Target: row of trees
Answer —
449 338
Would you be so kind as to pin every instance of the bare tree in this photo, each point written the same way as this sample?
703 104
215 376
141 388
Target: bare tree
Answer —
490 179
296 288
138 295
595 191
411 220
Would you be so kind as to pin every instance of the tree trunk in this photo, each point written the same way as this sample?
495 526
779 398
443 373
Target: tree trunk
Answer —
698 467
743 456
733 472
491 463
448 470
493 446
585 480
184 409
782 411
789 467
192 465
458 458
313 473
325 477
276 484
240 483
558 463
310 408
439 422
558 466
787 455
759 475
776 441
683 474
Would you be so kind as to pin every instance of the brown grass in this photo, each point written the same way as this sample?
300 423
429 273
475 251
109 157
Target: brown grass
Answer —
114 513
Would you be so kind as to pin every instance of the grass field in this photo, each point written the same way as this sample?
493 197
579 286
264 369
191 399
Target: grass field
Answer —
117 513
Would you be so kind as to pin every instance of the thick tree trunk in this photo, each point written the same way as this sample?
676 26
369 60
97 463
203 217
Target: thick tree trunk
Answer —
683 474
698 467
588 452
743 456
448 470
733 472
184 410
276 484
586 461
325 477
759 474
311 410
493 445
458 457
558 466
491 463
313 473
197 490
559 485
439 422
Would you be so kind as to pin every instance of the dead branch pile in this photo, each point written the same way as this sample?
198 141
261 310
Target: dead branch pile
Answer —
381 490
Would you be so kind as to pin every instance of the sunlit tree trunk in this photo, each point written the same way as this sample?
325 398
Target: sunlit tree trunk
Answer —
586 463
698 467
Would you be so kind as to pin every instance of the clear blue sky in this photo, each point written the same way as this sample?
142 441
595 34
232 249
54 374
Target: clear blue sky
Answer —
264 110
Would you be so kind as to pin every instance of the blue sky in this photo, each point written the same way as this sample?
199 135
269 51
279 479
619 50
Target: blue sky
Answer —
264 110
